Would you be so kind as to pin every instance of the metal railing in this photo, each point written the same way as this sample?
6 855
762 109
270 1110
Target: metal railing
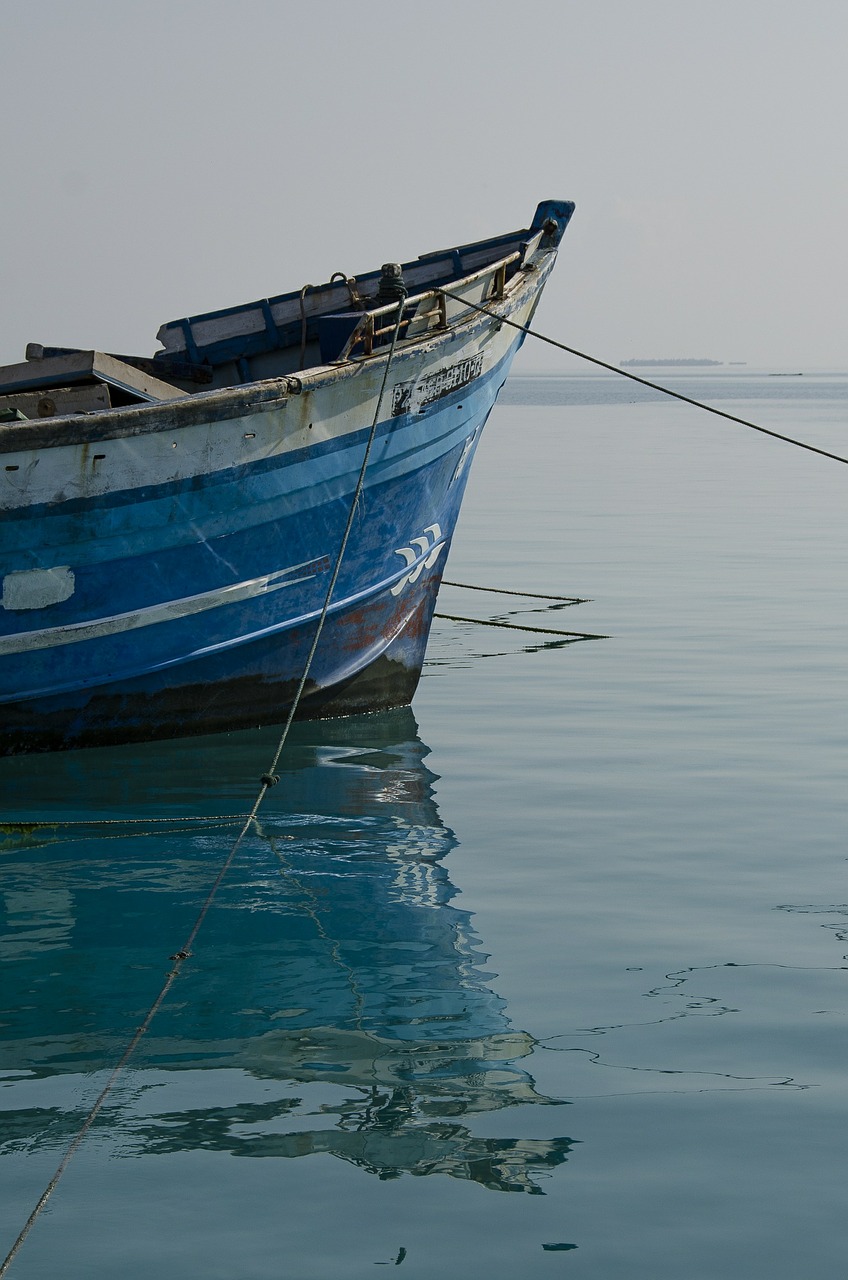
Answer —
369 333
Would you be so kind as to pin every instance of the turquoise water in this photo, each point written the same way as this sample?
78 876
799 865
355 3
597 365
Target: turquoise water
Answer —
544 977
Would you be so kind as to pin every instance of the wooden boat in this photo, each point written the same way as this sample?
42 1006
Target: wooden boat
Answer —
171 524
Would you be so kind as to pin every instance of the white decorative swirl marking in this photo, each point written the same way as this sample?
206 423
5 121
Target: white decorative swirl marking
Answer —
408 554
431 543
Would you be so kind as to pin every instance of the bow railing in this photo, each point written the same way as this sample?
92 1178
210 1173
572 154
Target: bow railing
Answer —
376 325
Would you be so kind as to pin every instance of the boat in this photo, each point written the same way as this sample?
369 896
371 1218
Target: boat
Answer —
174 530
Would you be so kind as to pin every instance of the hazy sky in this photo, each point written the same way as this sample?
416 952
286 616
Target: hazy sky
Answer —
160 159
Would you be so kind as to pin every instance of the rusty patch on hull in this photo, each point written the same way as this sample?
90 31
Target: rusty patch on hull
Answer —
242 702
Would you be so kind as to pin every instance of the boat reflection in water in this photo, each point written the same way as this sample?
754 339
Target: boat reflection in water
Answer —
333 958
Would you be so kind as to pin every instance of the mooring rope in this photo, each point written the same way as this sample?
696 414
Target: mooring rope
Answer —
514 626
268 780
28 825
311 909
529 595
29 846
654 386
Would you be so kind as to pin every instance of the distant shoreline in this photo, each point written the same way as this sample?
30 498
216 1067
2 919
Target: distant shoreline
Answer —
627 364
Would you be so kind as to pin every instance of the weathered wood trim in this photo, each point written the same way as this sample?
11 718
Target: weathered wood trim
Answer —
52 402
83 366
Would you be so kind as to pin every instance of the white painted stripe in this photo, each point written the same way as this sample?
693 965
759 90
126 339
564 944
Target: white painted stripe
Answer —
168 611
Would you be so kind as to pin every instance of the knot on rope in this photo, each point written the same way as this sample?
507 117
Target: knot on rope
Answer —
270 779
180 955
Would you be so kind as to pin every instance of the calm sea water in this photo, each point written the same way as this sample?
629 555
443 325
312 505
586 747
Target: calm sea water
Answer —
545 977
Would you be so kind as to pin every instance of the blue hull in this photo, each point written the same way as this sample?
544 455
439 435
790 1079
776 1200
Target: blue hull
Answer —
167 571
231 665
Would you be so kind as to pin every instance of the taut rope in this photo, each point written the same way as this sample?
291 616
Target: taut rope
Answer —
654 386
